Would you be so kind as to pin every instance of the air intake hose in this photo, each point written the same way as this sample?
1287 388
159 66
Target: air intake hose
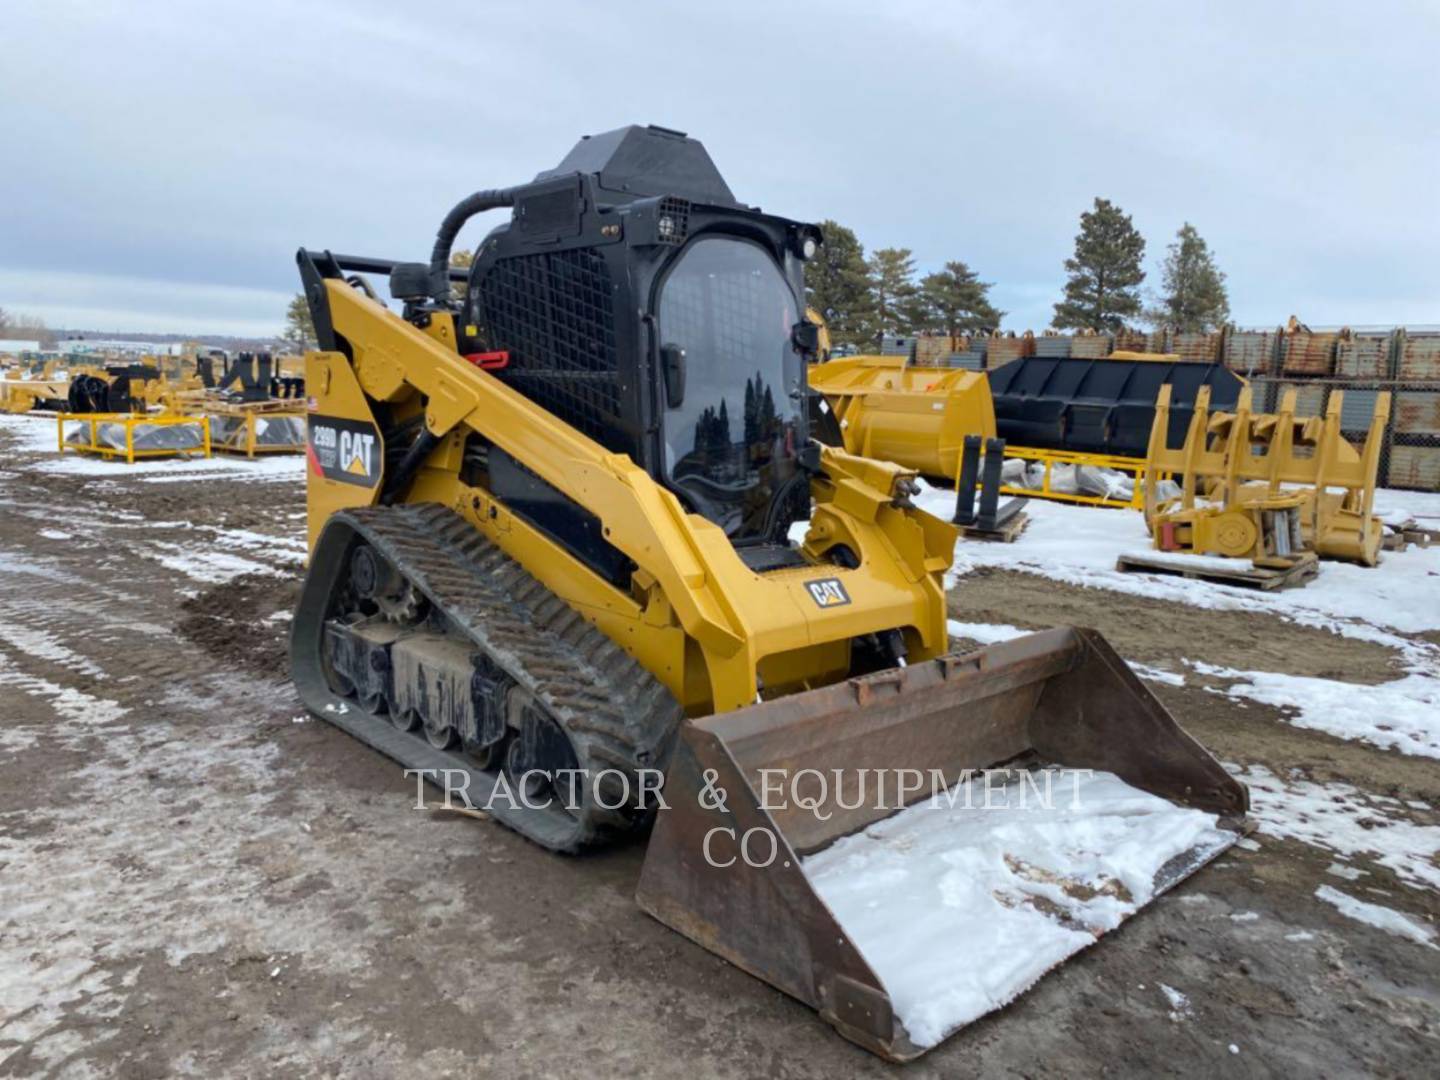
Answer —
462 212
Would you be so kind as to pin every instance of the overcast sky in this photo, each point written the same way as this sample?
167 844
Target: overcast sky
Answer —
162 161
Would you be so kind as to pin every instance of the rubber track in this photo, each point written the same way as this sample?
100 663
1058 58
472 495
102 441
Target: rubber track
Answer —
616 713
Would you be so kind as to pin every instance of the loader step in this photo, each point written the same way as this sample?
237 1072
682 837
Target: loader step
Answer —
1205 568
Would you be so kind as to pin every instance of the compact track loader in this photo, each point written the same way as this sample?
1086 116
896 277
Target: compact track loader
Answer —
551 517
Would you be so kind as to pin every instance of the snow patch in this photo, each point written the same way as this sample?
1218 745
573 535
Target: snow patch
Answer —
994 633
1079 545
210 567
956 909
1346 821
31 433
1179 1003
68 702
1403 715
985 633
43 645
1155 674
1382 918
175 470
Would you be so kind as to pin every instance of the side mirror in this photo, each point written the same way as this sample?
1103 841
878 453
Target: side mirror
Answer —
672 368
805 336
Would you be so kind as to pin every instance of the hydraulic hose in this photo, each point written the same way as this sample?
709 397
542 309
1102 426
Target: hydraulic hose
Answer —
462 212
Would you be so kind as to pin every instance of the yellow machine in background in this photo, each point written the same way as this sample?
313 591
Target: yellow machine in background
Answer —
1267 532
254 407
1252 462
915 416
22 395
918 416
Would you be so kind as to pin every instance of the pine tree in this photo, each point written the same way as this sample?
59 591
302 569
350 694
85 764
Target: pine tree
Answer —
837 285
1195 296
752 413
1105 272
299 329
722 426
769 418
702 430
892 279
956 301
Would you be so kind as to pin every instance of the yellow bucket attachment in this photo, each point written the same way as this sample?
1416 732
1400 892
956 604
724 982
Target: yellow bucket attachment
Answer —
841 845
912 415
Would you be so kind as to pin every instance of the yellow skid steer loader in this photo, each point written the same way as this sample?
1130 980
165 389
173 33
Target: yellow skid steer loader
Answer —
551 518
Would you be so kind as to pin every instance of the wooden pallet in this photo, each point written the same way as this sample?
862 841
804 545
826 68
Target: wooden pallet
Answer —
1409 532
1007 533
1251 577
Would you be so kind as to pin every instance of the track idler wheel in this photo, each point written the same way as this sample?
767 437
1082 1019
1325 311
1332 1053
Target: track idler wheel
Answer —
541 746
375 579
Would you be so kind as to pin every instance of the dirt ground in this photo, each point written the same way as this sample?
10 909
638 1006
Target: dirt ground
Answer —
197 879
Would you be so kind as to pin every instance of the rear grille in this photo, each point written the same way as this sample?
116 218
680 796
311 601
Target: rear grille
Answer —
552 313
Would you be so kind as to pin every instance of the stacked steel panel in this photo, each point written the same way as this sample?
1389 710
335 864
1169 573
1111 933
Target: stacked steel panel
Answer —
1414 467
1247 351
1415 449
1053 345
894 345
1419 358
1417 412
1304 352
1309 397
1132 341
1004 350
1090 346
934 349
1362 356
973 358
1356 410
1198 347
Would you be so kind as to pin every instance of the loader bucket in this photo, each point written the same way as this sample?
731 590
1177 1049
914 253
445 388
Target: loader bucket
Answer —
781 852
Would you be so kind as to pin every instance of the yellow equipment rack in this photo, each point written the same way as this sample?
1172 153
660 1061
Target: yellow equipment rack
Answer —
130 421
244 437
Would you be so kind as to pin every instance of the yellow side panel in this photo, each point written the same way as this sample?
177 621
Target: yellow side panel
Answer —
330 483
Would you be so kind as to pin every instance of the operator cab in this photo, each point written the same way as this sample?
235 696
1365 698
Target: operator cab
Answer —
633 297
